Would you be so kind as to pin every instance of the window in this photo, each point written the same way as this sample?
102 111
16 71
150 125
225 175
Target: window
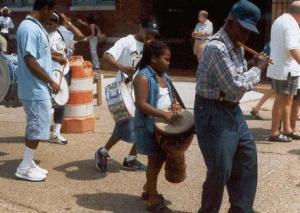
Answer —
92 2
16 3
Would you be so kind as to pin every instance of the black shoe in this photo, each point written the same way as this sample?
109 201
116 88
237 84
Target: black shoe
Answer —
293 136
101 161
280 138
133 165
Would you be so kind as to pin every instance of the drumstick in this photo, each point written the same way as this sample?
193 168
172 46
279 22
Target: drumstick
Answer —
253 52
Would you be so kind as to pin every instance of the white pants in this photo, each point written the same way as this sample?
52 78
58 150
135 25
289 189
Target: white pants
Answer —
93 50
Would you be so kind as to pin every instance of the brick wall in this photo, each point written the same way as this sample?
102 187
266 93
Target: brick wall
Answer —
115 23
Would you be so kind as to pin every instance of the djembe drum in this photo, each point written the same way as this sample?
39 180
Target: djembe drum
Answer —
175 139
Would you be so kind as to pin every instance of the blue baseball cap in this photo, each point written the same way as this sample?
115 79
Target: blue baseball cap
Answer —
247 14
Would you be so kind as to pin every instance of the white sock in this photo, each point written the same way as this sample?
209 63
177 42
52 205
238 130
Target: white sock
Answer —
103 150
130 158
27 158
56 129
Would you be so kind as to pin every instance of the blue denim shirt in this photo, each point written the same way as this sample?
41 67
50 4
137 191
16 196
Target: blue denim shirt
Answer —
144 121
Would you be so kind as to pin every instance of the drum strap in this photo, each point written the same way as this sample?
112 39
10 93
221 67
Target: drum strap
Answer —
176 94
42 28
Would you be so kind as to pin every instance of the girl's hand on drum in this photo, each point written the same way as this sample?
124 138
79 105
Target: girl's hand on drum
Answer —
176 107
171 117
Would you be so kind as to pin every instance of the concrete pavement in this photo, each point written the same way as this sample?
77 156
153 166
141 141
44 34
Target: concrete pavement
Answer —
74 185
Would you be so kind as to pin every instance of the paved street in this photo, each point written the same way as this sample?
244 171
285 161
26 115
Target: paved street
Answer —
74 185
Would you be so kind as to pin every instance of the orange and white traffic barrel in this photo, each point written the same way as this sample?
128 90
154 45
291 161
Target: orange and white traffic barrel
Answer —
79 112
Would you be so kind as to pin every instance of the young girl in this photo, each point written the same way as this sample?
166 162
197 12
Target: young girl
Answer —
59 52
153 96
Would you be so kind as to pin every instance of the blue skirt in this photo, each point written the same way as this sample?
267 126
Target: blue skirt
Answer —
146 143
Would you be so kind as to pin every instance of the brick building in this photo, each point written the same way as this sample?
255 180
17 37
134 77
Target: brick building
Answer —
177 19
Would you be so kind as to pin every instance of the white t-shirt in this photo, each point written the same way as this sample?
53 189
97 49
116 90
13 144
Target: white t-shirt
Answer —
57 45
127 51
285 36
68 38
6 24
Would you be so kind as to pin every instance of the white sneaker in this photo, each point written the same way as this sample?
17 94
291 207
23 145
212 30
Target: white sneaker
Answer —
41 170
31 174
58 138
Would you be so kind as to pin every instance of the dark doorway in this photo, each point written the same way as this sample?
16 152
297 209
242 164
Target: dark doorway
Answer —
178 18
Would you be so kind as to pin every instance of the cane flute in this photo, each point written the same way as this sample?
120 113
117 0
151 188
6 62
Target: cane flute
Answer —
253 52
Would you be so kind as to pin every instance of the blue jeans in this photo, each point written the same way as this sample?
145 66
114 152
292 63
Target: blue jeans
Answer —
94 52
230 156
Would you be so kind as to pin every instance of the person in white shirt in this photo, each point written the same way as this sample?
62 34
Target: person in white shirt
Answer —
202 34
124 56
60 50
285 72
6 23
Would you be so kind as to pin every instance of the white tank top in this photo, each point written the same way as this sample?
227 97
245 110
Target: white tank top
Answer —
164 100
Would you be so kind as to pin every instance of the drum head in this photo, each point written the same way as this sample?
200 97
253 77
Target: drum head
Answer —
128 99
185 123
4 79
62 97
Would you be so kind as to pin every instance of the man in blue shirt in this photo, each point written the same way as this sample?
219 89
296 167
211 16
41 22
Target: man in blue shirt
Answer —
227 145
35 85
202 34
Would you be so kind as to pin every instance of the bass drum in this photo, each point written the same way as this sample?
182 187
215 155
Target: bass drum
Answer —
9 81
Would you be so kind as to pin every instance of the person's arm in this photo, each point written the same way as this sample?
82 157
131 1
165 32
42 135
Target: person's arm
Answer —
208 30
39 72
296 55
27 41
141 96
78 35
112 56
110 60
83 23
11 24
292 38
93 31
58 58
230 80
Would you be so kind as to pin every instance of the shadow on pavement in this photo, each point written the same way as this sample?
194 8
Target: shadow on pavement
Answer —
298 185
294 152
8 168
251 118
261 135
3 154
19 139
113 202
85 170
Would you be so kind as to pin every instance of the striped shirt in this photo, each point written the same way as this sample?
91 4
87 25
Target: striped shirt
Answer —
223 72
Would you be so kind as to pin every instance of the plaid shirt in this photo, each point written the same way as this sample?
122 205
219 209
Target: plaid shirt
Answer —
224 71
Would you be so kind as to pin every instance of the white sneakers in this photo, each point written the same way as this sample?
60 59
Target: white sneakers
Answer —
33 173
58 138
37 167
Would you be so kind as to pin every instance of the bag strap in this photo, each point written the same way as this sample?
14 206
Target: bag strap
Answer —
176 94
41 27
61 35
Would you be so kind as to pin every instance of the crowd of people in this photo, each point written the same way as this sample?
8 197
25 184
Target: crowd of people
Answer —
46 39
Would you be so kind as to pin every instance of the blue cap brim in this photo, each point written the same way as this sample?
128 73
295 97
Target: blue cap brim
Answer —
248 26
